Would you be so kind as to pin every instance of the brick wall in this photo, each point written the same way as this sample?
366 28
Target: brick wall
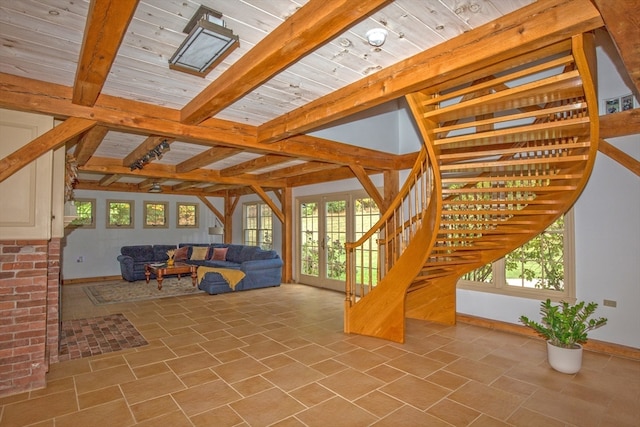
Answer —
29 306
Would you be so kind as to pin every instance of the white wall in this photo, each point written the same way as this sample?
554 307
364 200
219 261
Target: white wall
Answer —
607 230
100 246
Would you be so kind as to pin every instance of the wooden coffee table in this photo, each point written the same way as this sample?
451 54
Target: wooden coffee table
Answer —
162 270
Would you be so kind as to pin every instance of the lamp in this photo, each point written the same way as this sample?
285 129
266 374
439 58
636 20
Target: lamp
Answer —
217 229
376 36
207 44
155 188
155 152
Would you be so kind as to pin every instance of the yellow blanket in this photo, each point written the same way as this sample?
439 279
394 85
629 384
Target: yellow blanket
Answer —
231 276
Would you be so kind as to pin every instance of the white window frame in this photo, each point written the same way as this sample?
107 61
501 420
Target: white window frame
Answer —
261 227
499 284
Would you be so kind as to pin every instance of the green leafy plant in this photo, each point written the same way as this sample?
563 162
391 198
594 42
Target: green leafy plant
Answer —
565 325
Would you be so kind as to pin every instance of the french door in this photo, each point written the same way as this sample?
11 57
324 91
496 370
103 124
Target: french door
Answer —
325 224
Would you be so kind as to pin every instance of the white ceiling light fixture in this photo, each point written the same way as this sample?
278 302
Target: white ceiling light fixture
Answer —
377 36
155 188
207 44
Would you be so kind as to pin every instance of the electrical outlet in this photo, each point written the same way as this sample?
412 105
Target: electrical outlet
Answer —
80 259
609 303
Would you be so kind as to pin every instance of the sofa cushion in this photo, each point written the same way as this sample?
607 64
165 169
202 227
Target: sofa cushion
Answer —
234 253
139 253
219 254
261 254
199 253
181 253
160 252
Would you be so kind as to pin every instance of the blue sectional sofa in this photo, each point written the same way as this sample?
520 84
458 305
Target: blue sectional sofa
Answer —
261 268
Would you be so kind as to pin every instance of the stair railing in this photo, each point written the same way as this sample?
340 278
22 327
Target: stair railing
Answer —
372 255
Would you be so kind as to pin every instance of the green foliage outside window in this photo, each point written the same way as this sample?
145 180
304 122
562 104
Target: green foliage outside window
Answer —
84 212
120 213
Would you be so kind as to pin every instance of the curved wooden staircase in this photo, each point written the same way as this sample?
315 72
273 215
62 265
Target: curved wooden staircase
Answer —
507 150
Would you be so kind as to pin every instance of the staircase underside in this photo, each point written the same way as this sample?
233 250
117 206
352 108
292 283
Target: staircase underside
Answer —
505 154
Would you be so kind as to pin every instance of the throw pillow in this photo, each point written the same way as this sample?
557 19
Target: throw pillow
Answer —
219 254
181 253
199 253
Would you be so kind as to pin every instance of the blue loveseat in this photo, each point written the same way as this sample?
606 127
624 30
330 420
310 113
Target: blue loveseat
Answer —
262 268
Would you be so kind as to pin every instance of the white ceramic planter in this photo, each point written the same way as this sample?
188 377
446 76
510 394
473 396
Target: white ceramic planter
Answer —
565 360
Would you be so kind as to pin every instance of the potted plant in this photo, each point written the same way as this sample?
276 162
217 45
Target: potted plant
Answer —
565 327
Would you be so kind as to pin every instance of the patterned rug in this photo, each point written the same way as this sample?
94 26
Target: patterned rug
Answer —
122 291
98 335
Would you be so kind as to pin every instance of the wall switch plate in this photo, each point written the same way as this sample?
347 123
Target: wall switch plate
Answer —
609 303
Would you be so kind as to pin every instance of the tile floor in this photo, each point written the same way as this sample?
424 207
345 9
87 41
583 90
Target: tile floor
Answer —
278 357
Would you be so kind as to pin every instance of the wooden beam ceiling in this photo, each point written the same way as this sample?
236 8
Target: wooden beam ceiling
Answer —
311 26
623 24
107 23
540 24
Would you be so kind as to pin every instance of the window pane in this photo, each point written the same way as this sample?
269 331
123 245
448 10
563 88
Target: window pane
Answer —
84 212
309 239
155 214
336 218
365 216
187 215
539 263
120 213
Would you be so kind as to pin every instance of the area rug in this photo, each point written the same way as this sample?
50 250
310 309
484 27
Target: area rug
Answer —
123 291
97 335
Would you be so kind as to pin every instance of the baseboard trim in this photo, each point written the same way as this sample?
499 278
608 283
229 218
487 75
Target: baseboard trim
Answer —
89 280
591 345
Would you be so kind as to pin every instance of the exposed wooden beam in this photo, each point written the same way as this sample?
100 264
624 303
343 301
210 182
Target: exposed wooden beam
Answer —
108 180
107 22
254 164
369 187
540 24
184 185
622 123
291 171
205 158
212 208
148 183
148 144
263 195
621 20
52 140
619 156
314 24
137 117
89 143
134 188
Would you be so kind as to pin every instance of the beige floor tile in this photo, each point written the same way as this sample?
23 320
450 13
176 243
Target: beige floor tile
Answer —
204 397
31 411
453 413
234 359
98 397
351 384
415 391
106 415
488 400
378 403
292 376
153 408
266 407
151 387
409 416
336 412
223 416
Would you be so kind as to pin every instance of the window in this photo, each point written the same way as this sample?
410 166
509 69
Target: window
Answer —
155 215
187 215
541 268
119 214
257 225
85 210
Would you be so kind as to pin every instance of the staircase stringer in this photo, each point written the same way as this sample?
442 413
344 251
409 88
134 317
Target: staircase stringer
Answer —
420 301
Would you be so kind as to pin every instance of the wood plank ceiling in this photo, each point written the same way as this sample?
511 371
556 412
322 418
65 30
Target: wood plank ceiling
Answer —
301 64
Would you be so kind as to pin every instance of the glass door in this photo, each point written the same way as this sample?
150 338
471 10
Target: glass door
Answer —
323 233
